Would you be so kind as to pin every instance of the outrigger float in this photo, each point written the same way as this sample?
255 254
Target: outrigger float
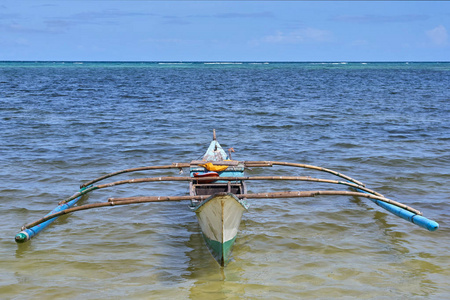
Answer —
218 196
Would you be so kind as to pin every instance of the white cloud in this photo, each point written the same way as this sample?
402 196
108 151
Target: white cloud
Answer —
438 35
303 35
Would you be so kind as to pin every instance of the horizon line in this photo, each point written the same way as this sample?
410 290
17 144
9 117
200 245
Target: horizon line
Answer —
234 61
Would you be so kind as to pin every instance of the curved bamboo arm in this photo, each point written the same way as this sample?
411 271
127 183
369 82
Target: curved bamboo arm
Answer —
243 178
271 195
172 166
247 164
279 163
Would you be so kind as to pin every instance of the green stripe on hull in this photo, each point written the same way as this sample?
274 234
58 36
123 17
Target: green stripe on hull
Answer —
220 251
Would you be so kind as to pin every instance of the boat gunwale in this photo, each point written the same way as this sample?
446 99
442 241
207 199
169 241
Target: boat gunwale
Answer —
241 201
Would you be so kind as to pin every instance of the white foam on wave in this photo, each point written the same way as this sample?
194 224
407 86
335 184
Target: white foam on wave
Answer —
223 63
173 63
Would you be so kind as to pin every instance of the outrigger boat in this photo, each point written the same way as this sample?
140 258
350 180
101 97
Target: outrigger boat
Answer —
218 196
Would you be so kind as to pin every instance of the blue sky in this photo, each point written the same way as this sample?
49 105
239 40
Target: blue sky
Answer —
105 30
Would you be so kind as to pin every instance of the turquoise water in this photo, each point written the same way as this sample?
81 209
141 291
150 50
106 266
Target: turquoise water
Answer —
385 124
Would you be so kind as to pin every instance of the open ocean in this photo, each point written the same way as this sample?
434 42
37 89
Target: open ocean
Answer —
385 124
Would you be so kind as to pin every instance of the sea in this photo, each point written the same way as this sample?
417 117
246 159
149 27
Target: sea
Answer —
386 124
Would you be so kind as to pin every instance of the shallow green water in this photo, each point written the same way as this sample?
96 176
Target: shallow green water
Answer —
385 124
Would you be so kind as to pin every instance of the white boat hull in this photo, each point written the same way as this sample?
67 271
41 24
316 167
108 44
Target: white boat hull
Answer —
219 217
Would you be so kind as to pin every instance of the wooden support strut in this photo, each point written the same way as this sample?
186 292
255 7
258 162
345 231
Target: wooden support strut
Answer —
243 178
248 164
279 163
272 195
269 195
172 166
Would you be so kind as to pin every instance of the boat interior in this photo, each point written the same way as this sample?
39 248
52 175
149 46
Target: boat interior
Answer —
236 188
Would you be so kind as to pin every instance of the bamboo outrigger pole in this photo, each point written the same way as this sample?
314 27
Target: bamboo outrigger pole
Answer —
279 163
66 205
169 178
397 208
248 164
28 233
172 166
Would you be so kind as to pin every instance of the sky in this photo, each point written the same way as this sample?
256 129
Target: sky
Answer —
113 30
